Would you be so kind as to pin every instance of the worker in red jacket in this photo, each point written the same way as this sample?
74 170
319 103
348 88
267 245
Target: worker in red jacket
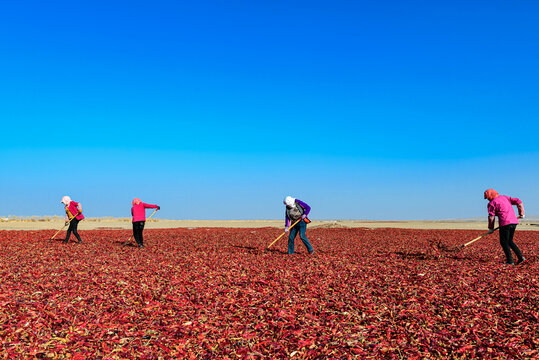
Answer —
73 217
138 211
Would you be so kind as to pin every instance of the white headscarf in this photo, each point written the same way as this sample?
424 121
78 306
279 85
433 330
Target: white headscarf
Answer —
66 200
289 201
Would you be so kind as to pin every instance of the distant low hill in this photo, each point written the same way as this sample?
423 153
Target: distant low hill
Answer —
483 218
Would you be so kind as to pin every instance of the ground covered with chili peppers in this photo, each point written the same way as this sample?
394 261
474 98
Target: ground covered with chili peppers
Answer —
216 293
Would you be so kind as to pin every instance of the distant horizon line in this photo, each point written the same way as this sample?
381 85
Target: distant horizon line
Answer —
55 217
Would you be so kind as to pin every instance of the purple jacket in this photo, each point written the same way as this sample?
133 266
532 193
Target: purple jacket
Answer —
306 209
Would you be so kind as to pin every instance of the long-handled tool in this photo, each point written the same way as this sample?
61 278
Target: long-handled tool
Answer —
477 238
443 247
148 218
69 222
274 241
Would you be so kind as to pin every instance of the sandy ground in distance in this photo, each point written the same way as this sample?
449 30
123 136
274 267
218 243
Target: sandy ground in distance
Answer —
125 223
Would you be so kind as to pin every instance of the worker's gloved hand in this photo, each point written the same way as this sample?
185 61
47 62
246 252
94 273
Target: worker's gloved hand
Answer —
303 216
159 208
67 222
521 217
490 231
286 229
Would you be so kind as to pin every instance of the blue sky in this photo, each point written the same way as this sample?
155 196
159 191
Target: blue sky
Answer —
218 109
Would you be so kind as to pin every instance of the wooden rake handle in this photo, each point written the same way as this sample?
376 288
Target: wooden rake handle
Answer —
479 237
148 218
274 241
69 222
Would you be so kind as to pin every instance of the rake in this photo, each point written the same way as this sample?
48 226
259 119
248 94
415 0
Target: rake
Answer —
477 238
274 241
460 247
69 222
148 218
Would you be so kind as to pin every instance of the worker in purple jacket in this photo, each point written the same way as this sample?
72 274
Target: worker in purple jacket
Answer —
502 207
297 210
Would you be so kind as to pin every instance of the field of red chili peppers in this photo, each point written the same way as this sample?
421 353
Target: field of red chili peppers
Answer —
216 293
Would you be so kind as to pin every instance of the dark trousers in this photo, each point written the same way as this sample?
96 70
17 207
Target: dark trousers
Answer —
73 228
506 240
138 227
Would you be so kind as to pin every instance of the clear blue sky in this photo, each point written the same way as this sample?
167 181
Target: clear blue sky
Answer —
219 109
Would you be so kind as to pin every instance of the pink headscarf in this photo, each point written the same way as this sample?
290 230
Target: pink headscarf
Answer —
66 200
491 194
135 201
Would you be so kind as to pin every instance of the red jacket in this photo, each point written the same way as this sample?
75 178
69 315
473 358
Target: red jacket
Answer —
139 211
74 208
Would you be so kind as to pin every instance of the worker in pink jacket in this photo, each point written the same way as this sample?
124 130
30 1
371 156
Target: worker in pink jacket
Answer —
73 217
138 211
502 207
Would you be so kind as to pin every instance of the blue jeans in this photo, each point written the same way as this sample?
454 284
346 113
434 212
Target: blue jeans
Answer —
301 227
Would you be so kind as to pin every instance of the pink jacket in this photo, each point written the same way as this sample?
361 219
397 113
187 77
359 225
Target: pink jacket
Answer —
502 207
139 211
74 208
